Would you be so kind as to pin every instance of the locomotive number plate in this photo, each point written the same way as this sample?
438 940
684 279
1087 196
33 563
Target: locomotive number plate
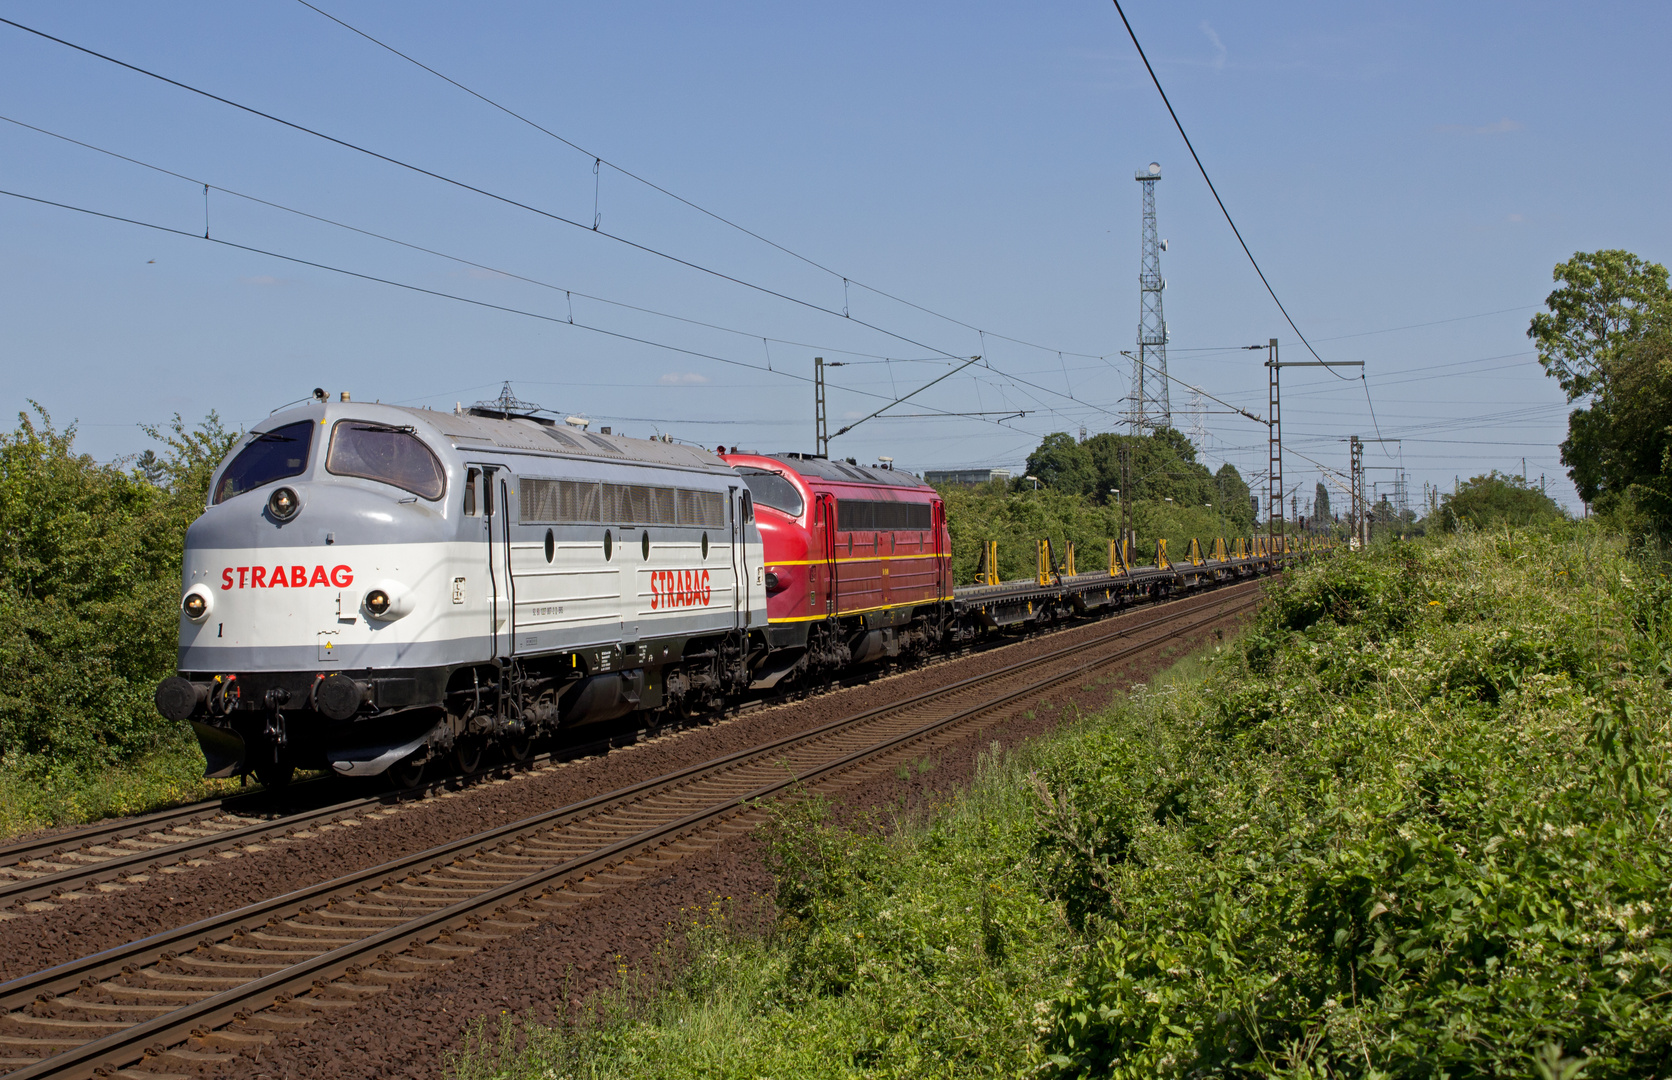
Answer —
458 590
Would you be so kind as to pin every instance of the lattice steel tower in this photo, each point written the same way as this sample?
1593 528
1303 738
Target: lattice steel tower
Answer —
1151 406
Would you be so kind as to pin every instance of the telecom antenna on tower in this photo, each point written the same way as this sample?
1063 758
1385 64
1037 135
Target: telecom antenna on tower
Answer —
1151 406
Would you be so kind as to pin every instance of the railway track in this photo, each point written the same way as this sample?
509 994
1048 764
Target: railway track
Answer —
227 981
65 866
40 873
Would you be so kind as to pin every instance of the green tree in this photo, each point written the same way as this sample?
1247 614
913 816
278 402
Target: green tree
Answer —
1062 464
1320 504
1606 301
89 586
1607 339
1163 466
1494 499
1231 498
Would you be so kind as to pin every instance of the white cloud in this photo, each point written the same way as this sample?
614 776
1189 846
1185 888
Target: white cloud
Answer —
1501 127
682 378
1218 46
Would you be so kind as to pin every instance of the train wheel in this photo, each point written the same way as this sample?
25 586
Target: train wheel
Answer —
467 755
519 748
407 774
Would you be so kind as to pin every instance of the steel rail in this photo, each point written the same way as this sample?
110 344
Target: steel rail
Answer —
21 884
217 1008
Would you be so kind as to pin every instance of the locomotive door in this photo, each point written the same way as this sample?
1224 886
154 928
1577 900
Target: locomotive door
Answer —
824 521
739 561
485 494
938 522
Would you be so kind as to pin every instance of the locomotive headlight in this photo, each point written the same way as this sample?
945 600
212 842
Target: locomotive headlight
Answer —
776 580
283 504
387 601
196 603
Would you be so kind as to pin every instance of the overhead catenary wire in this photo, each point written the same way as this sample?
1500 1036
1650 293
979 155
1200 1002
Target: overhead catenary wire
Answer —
437 293
506 200
846 279
1232 221
474 189
462 261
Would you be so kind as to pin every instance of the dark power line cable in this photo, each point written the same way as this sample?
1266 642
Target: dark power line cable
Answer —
1232 221
871 357
465 186
505 308
420 170
1188 145
745 230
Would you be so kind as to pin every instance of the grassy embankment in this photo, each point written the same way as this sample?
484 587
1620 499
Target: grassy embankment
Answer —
1414 823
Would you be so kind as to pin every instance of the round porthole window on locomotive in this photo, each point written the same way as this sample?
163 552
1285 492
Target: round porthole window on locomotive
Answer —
705 545
609 545
644 545
551 545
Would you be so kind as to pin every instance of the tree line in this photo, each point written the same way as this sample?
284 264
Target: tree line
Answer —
1161 467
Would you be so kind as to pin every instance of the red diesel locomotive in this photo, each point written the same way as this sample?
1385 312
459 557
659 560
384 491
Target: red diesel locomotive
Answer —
857 562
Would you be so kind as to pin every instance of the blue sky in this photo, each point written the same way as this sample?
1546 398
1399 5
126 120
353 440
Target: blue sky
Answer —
1390 165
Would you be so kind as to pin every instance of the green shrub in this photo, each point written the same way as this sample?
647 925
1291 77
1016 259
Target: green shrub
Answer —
1449 863
89 586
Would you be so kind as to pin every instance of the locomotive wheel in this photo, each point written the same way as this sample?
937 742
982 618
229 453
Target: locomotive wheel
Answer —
467 755
518 748
407 774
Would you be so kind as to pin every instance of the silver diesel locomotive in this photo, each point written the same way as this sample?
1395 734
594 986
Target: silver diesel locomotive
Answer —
372 588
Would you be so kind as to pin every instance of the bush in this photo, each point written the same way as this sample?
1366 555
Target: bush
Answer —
1448 864
90 559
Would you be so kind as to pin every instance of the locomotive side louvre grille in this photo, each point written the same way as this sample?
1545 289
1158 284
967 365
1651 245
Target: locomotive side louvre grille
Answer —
587 502
704 508
558 502
863 515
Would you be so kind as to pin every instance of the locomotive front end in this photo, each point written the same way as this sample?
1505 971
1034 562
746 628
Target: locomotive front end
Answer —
325 596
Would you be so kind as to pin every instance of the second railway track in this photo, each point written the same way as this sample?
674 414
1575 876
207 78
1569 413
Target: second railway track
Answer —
277 965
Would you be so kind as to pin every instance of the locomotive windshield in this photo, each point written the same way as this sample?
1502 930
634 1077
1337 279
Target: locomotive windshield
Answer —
268 456
771 489
390 455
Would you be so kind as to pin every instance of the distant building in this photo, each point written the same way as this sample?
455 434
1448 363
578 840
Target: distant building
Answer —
965 477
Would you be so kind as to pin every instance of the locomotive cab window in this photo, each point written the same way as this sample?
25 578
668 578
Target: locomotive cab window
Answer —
268 456
389 455
472 477
771 489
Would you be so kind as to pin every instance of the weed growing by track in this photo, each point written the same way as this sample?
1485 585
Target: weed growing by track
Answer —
1414 823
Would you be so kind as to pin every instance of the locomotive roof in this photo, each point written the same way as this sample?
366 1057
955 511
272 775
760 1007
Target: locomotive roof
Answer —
843 471
539 436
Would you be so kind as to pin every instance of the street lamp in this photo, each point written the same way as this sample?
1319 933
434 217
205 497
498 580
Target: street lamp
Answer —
1035 480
